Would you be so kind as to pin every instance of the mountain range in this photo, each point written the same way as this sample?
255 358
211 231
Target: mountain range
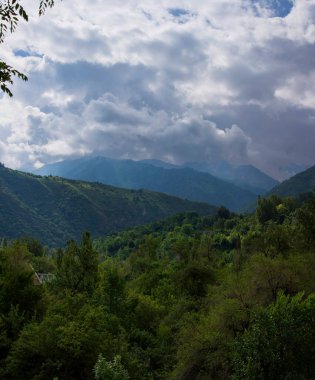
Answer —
247 177
303 182
55 210
184 182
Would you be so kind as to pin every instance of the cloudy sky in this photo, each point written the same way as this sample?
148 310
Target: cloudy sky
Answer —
176 80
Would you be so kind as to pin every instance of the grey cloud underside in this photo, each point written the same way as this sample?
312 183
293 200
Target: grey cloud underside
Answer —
188 92
142 123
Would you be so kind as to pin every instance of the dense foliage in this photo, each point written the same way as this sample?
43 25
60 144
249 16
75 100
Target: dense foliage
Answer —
213 297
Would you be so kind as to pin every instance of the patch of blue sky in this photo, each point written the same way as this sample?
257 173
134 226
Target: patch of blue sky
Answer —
279 8
178 12
180 15
26 53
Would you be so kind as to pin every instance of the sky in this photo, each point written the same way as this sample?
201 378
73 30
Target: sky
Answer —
174 80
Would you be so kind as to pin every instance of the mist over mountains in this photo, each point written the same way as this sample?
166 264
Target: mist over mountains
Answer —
300 183
56 209
181 181
245 176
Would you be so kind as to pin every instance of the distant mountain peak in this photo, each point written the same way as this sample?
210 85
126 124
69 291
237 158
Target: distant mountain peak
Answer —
302 182
159 163
245 176
156 175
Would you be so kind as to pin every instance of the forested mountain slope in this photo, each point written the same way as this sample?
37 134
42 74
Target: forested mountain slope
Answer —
181 182
227 297
300 183
245 176
55 209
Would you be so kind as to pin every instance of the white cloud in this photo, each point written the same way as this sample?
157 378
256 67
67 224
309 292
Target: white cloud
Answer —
168 79
299 91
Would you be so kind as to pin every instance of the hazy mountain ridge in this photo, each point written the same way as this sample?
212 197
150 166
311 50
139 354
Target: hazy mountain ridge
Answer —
55 209
178 181
300 183
245 176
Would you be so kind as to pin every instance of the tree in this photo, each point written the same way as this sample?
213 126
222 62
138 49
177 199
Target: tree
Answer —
11 13
223 213
33 245
111 289
66 343
279 343
20 299
77 266
110 370
17 287
305 221
194 278
266 210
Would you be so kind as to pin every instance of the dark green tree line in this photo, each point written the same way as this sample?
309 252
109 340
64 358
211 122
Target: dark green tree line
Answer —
222 297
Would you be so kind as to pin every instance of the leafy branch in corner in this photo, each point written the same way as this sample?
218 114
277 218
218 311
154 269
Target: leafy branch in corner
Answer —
11 13
6 74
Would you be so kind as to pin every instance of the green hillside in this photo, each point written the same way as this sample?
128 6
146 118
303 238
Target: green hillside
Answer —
303 182
180 182
224 297
54 209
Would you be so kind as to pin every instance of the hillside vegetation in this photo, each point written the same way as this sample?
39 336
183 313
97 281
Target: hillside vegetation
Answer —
300 183
155 175
224 297
55 210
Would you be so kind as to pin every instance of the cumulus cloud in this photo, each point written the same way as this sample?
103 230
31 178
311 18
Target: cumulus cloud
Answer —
175 80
